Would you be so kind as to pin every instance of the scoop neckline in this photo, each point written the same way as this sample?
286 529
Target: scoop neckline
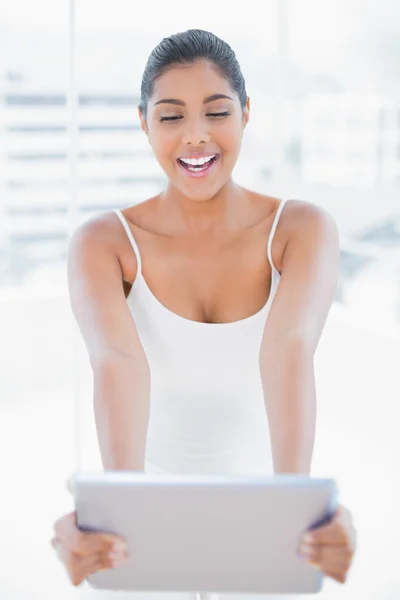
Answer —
141 281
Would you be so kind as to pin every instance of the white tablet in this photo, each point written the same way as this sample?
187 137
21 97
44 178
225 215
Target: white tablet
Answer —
195 533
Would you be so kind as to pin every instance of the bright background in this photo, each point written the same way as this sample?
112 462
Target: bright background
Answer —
325 127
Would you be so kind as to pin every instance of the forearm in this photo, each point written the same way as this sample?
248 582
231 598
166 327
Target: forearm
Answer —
287 373
121 388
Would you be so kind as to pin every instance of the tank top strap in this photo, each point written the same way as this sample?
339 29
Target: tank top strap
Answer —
272 233
132 240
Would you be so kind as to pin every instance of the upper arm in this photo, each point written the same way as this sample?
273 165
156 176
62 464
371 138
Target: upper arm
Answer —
309 275
96 293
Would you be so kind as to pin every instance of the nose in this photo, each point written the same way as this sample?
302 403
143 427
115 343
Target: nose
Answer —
196 133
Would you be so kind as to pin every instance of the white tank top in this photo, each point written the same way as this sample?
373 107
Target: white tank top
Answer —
207 410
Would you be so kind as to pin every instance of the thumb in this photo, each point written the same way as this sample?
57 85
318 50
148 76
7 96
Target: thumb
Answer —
70 484
94 542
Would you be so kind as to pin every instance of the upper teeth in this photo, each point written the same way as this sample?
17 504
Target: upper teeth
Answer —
197 161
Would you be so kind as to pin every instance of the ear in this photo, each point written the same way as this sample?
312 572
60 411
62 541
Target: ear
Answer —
246 112
143 123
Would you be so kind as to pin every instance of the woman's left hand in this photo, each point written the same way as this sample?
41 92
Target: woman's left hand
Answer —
331 547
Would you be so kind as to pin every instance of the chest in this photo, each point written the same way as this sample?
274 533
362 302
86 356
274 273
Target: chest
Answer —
207 280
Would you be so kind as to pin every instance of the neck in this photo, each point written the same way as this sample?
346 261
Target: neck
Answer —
221 212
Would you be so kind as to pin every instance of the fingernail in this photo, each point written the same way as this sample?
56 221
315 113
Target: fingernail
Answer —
313 564
306 538
118 560
70 484
306 550
116 555
119 546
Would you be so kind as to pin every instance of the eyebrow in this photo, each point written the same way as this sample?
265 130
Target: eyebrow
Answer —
181 103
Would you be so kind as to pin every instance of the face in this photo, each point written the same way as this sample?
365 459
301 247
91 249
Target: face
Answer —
194 115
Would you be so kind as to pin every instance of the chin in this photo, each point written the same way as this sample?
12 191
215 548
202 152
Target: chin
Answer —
201 192
201 195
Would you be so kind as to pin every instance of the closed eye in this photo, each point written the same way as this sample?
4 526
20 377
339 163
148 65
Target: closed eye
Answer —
223 114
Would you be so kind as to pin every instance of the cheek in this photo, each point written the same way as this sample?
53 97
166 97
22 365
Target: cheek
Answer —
165 143
229 136
232 144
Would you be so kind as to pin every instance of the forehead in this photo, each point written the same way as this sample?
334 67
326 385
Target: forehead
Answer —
192 81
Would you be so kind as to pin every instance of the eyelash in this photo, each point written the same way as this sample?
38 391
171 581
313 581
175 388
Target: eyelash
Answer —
223 114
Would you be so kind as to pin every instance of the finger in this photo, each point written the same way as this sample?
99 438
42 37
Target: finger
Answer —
87 565
70 484
332 533
86 543
62 524
68 559
102 562
336 559
56 543
80 567
340 578
339 530
345 519
344 515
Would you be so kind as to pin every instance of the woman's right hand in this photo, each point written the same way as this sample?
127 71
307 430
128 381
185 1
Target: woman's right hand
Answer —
85 553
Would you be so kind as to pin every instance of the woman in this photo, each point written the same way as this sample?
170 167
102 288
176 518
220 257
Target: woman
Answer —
202 307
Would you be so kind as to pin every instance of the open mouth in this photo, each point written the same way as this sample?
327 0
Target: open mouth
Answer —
197 169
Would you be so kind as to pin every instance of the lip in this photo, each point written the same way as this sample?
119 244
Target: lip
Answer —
198 155
199 174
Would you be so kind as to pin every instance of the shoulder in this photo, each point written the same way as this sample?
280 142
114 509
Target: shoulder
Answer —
311 233
98 238
301 225
98 229
104 230
301 218
295 215
309 273
102 237
312 249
